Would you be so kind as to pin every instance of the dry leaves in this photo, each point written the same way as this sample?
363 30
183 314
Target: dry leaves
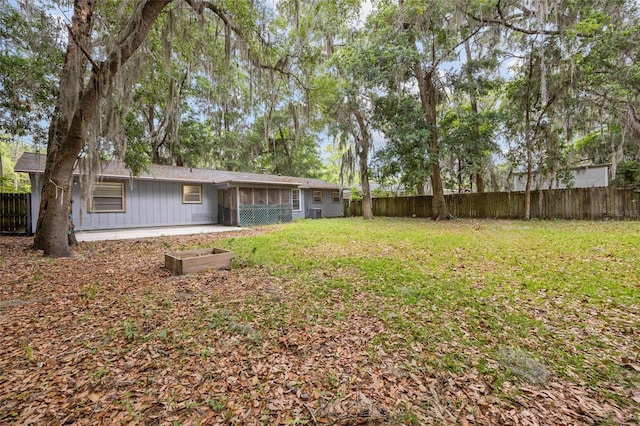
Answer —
109 337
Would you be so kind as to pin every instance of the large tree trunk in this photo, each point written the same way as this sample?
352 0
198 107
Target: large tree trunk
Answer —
527 187
52 225
479 183
528 145
475 132
362 150
76 106
367 208
429 101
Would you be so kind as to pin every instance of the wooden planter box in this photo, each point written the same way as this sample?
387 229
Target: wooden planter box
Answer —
186 262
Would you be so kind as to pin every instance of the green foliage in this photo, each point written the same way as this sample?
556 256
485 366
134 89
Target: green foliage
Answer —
131 330
30 57
596 145
218 404
356 194
136 156
198 145
202 96
470 137
627 174
28 353
406 154
100 373
11 181
283 150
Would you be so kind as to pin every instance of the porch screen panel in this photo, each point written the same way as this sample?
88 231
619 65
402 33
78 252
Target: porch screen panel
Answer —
274 196
246 196
285 213
260 196
268 206
285 197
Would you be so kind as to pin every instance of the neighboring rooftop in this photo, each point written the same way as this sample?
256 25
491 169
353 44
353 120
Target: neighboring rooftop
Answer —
35 163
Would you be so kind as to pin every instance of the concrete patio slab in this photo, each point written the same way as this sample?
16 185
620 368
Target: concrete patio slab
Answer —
127 234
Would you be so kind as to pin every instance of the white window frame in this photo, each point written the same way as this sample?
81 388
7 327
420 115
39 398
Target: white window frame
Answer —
335 197
184 194
293 197
97 186
313 196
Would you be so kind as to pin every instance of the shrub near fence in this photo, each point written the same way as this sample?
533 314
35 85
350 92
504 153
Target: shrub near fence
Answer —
15 213
577 203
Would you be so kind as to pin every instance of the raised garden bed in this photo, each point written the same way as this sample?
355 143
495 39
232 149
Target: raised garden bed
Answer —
186 262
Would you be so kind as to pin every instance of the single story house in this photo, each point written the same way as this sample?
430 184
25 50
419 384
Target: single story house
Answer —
583 177
173 196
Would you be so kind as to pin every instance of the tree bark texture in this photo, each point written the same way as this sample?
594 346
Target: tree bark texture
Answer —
362 150
475 132
69 125
528 145
429 101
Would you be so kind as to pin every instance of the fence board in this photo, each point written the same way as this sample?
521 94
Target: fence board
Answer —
15 213
575 203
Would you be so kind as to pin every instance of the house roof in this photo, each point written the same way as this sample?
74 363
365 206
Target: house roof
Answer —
35 163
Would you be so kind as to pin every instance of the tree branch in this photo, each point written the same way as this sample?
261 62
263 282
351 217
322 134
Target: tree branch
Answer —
502 21
527 13
81 47
199 5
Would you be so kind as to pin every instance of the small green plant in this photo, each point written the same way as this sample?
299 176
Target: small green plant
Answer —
246 261
295 421
332 379
406 417
131 330
28 353
190 405
218 404
100 373
90 292
205 353
163 334
219 318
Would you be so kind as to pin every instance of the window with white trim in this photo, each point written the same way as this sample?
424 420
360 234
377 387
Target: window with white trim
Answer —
107 197
317 197
295 197
191 194
335 197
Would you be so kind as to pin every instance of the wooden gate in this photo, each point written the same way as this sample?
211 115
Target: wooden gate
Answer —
15 213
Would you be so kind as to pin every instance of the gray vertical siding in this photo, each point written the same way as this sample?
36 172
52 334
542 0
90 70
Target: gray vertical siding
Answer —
159 203
329 209
148 203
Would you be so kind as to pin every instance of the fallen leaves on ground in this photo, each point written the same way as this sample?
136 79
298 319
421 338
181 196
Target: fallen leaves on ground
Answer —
110 337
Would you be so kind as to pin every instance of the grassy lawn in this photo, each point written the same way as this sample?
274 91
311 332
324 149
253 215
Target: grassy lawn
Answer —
341 321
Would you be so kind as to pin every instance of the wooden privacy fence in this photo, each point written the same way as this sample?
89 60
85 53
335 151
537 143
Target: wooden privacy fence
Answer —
15 213
577 203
